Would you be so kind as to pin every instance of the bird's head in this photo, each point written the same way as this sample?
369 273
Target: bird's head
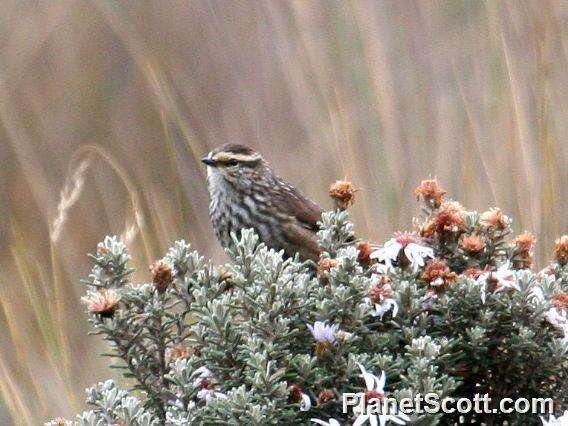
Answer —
235 163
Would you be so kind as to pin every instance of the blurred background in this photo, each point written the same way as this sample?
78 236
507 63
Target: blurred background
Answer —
106 108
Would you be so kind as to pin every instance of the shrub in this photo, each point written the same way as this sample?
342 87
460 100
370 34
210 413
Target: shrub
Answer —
452 309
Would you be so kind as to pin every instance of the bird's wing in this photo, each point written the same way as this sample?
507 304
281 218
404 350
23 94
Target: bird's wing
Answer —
293 203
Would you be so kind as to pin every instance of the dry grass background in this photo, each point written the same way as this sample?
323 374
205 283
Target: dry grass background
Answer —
106 107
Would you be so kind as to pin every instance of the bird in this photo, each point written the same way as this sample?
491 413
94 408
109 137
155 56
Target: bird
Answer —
245 192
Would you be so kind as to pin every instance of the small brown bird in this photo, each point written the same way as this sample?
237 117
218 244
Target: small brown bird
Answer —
246 193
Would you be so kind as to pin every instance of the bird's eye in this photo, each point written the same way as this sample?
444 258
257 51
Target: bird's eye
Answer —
231 163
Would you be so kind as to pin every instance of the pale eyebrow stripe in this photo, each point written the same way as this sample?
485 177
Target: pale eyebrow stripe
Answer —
224 157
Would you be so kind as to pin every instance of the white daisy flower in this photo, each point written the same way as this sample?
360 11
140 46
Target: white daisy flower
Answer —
380 299
559 320
556 318
323 333
202 374
408 243
375 389
503 277
379 309
373 383
203 381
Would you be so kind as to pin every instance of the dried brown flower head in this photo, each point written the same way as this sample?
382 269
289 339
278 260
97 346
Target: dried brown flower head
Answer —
427 230
473 244
162 275
447 221
373 395
103 302
295 393
524 242
381 291
438 275
343 193
560 301
177 352
365 250
561 250
472 272
325 395
324 265
102 250
522 255
493 218
453 206
431 192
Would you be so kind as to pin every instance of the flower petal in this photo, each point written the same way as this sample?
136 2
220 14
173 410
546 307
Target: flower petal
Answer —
380 383
306 403
311 328
369 378
394 308
396 420
360 420
331 422
404 417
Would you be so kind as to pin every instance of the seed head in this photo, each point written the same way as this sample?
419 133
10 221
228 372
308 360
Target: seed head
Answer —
365 250
103 302
325 395
494 218
373 395
102 250
295 393
523 245
473 244
524 242
438 275
472 272
447 221
453 206
162 275
560 301
431 192
177 352
343 193
381 291
561 250
324 265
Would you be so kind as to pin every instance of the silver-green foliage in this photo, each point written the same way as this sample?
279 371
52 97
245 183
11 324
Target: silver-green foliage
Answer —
249 352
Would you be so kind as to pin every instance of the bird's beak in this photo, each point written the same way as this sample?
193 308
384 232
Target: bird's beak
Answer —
209 161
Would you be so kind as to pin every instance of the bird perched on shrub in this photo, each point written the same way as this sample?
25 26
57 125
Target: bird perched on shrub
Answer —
246 193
